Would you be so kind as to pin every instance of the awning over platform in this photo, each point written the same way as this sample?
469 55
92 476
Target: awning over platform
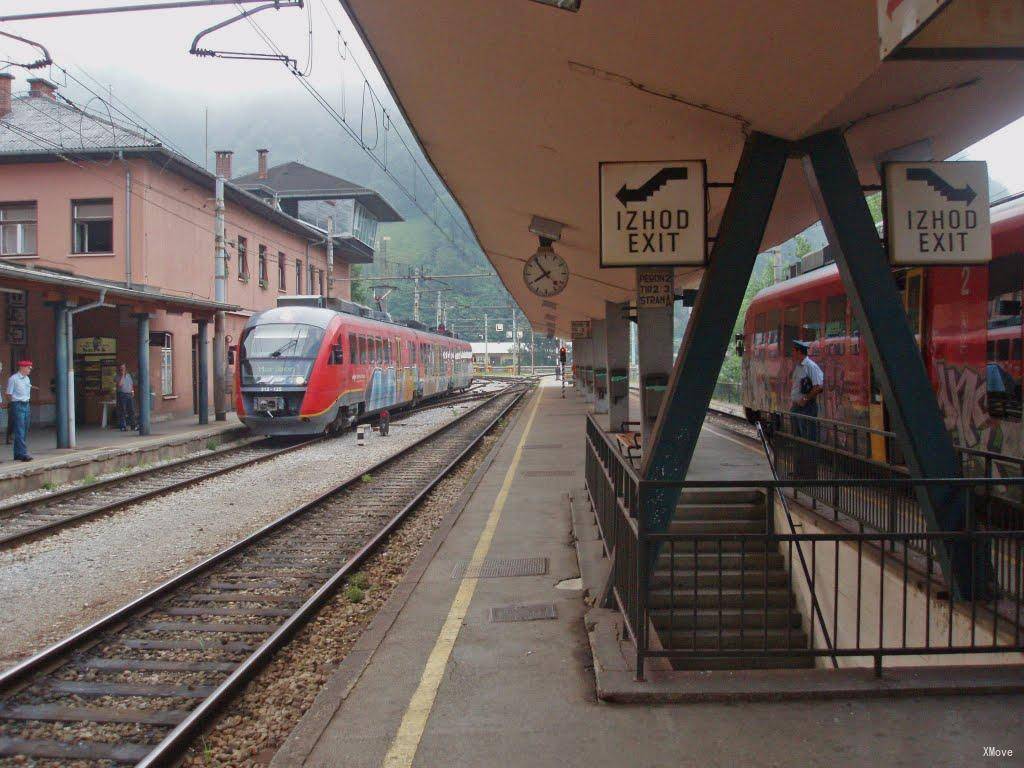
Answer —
64 287
516 102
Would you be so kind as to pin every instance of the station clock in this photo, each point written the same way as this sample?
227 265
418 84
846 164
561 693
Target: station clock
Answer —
546 273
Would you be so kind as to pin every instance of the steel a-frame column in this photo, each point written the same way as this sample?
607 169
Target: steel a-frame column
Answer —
895 356
709 331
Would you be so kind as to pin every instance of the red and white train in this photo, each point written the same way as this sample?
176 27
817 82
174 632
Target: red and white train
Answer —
306 369
967 320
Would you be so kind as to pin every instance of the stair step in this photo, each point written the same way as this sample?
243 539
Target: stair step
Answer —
731 639
724 496
705 618
691 526
752 597
712 577
704 511
747 662
683 546
752 561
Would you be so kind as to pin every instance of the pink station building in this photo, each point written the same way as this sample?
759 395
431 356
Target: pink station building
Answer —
107 254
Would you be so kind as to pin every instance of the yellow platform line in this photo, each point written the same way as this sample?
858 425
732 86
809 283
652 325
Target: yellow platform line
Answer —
403 749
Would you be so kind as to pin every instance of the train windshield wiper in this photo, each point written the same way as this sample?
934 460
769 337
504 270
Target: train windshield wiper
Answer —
280 350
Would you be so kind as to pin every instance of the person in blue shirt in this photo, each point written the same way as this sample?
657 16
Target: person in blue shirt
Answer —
19 390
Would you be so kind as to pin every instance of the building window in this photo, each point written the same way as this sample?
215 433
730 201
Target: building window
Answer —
264 280
166 366
17 229
311 281
320 281
364 225
298 276
243 259
281 274
92 226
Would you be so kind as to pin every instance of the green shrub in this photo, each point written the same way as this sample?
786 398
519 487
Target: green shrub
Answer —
354 594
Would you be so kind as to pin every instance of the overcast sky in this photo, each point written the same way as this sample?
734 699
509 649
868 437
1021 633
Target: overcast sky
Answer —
147 53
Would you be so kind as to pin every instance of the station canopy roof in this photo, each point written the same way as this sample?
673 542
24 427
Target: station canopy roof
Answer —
516 102
60 286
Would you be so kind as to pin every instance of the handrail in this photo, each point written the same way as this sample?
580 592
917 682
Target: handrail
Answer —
799 550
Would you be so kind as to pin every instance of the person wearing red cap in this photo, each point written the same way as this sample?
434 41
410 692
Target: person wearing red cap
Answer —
19 390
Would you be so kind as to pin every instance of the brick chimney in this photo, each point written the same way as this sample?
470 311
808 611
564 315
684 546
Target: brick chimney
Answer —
261 160
37 86
6 80
224 162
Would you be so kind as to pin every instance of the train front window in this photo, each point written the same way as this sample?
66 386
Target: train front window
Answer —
279 354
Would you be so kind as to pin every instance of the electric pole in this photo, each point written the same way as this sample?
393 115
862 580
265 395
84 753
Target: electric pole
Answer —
220 356
416 294
515 343
487 355
330 254
533 347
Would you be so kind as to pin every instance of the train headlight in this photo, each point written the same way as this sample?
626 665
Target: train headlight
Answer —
300 380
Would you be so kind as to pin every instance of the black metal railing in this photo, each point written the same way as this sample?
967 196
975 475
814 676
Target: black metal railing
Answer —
703 597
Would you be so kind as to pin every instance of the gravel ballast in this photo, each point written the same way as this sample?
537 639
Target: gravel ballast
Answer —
254 725
53 586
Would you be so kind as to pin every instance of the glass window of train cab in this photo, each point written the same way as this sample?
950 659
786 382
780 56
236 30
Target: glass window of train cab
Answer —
854 333
387 351
759 332
771 329
411 349
835 322
362 349
811 330
790 326
353 349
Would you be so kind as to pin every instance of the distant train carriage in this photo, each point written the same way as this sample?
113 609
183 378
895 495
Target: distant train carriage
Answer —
304 368
967 321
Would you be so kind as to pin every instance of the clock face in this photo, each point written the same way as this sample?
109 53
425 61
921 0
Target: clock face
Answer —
546 273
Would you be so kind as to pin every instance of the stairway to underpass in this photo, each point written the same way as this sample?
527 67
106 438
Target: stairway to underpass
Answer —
721 594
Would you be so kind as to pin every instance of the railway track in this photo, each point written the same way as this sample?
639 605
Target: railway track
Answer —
45 515
139 684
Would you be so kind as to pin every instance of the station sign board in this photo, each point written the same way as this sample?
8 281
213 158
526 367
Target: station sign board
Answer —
654 288
580 329
937 213
653 213
950 29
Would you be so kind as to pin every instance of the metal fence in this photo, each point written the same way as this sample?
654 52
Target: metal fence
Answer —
882 572
728 392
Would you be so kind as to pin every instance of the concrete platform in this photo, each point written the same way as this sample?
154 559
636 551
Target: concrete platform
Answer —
435 682
101 451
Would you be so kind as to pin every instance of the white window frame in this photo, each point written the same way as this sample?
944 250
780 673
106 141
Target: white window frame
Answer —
20 227
80 236
167 366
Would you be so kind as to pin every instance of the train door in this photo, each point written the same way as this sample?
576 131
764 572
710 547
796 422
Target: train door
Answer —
911 285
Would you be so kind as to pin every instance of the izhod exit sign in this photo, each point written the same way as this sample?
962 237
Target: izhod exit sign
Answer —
937 213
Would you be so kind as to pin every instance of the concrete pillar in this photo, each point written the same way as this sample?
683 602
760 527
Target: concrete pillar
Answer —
655 357
203 373
144 385
584 363
599 347
62 360
617 355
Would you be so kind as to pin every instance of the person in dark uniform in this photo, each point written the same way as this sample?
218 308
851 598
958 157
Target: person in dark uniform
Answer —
562 356
808 383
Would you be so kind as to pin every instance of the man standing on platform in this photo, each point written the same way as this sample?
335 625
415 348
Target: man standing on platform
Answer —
19 389
125 398
808 383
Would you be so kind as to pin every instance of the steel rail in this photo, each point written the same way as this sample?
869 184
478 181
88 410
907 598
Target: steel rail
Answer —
181 737
12 511
178 739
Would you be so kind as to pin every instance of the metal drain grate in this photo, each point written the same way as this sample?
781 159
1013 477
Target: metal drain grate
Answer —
493 568
523 612
549 473
543 446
